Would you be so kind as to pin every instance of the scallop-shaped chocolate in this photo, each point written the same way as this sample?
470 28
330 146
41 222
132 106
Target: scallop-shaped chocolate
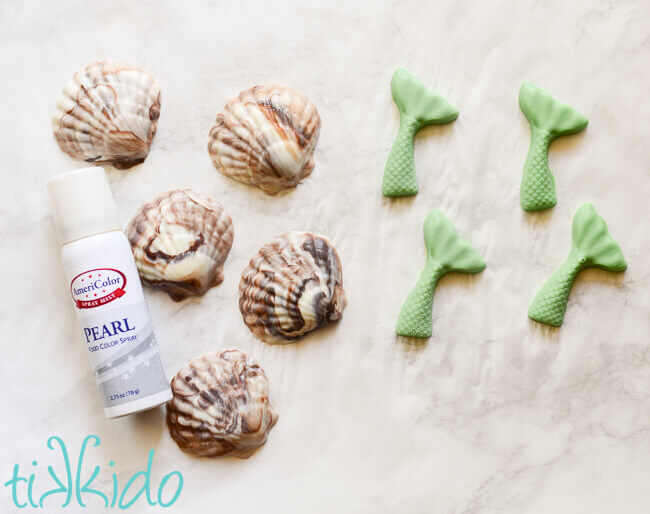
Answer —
108 113
266 137
220 405
180 242
293 285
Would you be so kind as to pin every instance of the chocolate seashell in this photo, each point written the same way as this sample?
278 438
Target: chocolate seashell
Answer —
266 137
108 113
220 405
180 242
293 285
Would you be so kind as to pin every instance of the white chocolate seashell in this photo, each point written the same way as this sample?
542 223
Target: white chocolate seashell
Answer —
180 242
220 405
108 113
293 285
266 137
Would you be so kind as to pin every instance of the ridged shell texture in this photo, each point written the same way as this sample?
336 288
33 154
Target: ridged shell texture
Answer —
108 113
180 242
266 137
293 285
220 405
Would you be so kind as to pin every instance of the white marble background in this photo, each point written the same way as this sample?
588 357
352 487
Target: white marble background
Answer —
494 414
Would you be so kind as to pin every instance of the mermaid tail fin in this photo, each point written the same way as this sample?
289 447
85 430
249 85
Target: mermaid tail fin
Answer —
592 247
546 113
447 249
416 101
418 107
592 241
446 252
548 120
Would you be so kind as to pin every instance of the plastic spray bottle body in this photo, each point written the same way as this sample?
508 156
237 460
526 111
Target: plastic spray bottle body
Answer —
107 295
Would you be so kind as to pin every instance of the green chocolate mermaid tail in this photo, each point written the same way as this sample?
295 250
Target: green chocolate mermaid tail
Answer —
446 252
592 247
415 318
549 119
418 107
549 305
446 248
592 241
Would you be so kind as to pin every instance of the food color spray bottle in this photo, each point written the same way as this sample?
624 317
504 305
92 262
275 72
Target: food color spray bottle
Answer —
107 294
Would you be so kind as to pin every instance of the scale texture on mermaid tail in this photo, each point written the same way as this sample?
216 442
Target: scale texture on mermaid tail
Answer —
592 247
446 252
549 119
418 107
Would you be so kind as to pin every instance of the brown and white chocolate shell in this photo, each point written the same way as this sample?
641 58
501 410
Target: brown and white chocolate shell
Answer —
293 285
220 405
180 242
266 137
108 113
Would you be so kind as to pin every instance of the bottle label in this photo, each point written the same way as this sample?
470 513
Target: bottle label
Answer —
114 320
97 287
123 352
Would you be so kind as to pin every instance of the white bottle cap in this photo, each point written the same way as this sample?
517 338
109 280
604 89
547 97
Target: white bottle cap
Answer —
82 204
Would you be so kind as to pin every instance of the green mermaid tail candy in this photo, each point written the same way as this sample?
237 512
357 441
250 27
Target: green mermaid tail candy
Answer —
592 247
549 119
418 107
446 252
